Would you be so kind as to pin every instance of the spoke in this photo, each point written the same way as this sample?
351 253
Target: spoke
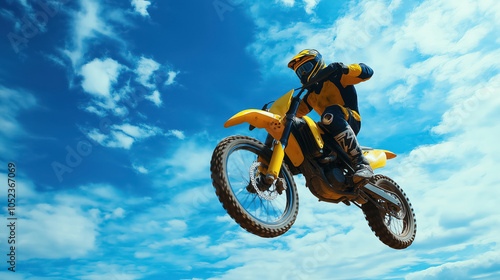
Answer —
276 214
256 207
261 204
265 205
244 201
395 225
267 211
254 203
251 202
278 202
239 167
254 197
236 177
239 191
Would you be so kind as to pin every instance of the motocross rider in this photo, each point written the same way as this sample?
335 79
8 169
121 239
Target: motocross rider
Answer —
336 101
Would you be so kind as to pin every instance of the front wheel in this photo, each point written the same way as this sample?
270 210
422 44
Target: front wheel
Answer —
396 229
264 210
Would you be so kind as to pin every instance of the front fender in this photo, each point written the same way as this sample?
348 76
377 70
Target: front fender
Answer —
257 118
272 123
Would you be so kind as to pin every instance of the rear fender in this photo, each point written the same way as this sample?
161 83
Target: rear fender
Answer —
378 158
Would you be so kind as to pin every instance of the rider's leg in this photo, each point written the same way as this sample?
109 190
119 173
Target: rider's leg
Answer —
334 118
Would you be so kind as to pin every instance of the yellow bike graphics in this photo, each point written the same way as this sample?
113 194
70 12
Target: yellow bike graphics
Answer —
273 123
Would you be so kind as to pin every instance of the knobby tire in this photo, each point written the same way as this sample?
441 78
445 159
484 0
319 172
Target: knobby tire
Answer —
229 199
377 218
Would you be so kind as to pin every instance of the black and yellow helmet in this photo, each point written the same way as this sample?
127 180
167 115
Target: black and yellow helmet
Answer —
307 64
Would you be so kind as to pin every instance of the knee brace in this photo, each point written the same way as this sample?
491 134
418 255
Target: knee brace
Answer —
333 119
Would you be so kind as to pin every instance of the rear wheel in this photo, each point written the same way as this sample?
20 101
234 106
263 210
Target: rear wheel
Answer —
262 209
394 227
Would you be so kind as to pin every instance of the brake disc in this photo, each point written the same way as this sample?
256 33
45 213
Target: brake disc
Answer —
272 191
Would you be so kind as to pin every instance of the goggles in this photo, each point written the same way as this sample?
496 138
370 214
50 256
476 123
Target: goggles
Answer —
304 69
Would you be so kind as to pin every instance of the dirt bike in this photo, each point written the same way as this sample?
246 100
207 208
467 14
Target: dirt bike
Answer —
254 180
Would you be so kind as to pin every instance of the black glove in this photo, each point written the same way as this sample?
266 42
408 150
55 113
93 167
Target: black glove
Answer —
339 68
336 68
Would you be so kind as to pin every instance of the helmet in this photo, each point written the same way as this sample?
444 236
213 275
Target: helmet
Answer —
307 64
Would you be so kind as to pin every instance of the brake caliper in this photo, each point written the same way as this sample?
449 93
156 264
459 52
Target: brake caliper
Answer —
258 184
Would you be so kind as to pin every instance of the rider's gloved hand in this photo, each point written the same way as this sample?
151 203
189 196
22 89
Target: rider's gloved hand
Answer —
339 68
336 68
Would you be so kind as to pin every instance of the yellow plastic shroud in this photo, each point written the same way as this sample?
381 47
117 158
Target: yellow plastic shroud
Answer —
273 123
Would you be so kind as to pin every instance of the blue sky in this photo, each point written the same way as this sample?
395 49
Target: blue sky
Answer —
111 110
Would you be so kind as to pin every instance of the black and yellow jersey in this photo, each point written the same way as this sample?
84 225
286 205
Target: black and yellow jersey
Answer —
336 90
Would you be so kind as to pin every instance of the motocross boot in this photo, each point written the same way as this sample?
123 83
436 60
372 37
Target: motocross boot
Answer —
349 143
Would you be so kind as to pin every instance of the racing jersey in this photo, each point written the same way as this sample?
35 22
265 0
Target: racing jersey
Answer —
336 90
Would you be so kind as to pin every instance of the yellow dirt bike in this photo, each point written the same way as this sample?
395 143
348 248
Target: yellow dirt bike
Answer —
254 180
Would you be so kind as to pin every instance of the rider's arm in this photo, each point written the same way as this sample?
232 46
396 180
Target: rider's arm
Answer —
357 73
304 107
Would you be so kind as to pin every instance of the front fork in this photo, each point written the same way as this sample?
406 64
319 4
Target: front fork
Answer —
276 160
279 147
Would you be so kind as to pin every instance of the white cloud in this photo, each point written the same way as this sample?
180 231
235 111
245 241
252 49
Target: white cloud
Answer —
97 136
482 100
142 255
155 98
12 102
438 27
87 25
38 16
112 85
102 191
141 169
141 131
310 5
100 80
328 239
190 161
55 231
113 140
400 94
106 271
484 266
124 135
93 109
350 37
70 223
374 32
177 225
177 133
287 3
171 77
442 180
117 213
145 69
99 76
118 139
141 7
9 15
